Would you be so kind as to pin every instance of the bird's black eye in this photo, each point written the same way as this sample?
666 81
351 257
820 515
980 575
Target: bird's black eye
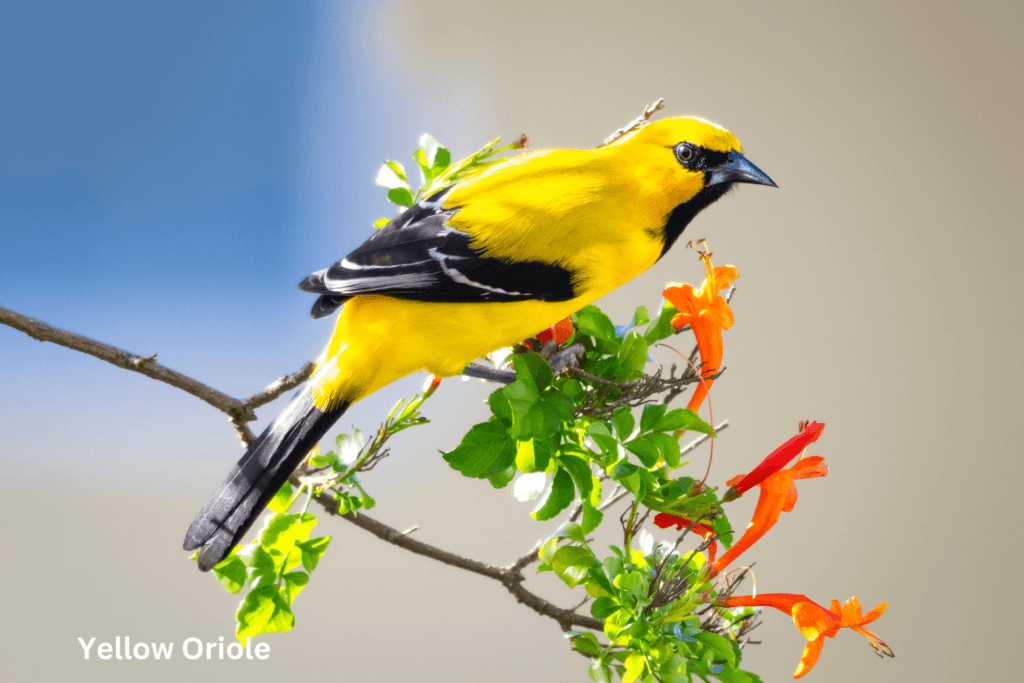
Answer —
685 153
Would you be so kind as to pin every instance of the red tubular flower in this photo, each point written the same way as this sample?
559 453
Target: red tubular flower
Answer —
778 459
778 495
664 520
707 314
559 332
815 622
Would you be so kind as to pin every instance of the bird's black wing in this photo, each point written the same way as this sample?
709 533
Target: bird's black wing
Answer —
419 256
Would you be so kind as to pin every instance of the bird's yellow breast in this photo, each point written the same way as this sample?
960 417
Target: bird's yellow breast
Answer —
379 339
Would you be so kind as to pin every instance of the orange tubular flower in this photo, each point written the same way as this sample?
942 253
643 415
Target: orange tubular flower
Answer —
664 520
708 314
815 622
560 332
778 495
775 461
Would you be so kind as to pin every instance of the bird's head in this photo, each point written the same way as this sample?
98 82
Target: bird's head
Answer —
693 161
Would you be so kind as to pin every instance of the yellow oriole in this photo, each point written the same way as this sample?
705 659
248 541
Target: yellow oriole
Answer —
479 265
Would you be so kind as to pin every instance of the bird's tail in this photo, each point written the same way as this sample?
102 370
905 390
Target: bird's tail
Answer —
260 473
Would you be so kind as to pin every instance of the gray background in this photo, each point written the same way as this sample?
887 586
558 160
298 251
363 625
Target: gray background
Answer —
877 294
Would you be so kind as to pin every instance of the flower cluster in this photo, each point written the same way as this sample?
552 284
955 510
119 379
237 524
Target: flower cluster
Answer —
778 495
708 314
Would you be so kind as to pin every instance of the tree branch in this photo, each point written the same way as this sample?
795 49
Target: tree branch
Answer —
239 411
510 576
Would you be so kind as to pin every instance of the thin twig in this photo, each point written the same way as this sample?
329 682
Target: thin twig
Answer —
637 123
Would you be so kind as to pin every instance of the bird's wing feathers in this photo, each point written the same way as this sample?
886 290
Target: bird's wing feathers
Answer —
419 256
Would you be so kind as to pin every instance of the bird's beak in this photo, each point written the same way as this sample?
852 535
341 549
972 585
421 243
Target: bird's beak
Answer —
737 170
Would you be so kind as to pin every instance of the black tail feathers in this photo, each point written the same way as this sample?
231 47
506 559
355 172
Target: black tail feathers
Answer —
261 472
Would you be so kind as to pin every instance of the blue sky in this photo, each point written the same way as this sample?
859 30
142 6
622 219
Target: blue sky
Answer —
144 161
168 173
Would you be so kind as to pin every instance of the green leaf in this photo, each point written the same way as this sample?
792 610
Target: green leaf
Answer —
579 469
571 562
547 550
679 611
279 503
499 404
535 367
392 175
558 499
561 405
668 445
573 532
486 448
633 353
312 550
420 157
591 517
328 458
661 328
541 421
634 484
587 644
721 526
256 558
600 577
442 160
674 670
602 436
501 478
294 582
600 673
651 416
647 452
607 444
681 418
264 610
231 573
592 321
719 644
623 470
603 607
533 455
573 389
634 667
624 423
381 222
401 196
521 396
283 531
641 316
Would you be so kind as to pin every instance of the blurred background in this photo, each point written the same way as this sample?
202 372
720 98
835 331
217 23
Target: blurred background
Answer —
170 171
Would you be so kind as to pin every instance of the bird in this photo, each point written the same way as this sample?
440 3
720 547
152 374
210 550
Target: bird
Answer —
479 265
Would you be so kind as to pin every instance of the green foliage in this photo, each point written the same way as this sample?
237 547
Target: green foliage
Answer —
436 171
540 425
269 567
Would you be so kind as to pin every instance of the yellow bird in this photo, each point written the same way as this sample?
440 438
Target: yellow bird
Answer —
479 265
